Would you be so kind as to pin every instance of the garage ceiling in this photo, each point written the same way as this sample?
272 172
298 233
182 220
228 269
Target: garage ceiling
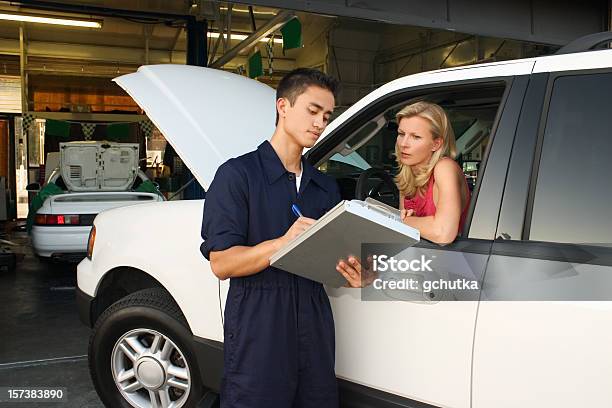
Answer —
123 36
153 31
142 31
541 21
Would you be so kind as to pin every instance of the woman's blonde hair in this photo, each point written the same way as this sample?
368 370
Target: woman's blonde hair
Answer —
409 183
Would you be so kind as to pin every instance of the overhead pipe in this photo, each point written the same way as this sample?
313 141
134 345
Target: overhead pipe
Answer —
274 24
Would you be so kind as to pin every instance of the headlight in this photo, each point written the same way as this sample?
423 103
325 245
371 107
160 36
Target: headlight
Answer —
90 242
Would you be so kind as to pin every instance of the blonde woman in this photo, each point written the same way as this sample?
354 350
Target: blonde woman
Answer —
434 195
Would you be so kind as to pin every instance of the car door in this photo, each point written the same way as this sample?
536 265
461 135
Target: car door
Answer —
543 331
393 353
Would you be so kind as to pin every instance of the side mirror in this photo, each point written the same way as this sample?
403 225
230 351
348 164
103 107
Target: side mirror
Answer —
33 187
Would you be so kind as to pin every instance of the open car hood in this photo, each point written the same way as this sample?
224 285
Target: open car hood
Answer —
207 115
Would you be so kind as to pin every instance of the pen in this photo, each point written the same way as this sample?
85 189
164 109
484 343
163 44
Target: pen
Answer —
296 210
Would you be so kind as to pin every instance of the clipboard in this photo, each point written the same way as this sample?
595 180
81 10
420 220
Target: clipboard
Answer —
339 233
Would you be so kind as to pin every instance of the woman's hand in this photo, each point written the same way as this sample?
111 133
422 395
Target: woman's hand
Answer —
405 214
354 273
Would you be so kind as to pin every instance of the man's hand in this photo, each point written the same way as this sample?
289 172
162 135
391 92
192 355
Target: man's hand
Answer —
354 273
296 229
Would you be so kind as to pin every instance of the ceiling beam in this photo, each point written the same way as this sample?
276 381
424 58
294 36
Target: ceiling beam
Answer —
274 24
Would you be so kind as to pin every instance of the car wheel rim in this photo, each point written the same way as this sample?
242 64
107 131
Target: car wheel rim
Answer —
150 371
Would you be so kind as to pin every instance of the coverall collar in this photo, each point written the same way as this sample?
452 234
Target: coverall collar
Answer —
274 168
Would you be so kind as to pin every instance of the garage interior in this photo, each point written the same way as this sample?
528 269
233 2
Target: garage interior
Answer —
56 86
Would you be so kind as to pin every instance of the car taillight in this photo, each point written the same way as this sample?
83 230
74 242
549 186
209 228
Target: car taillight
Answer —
90 242
56 219
40 219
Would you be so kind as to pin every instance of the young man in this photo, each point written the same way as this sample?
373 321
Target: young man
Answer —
279 347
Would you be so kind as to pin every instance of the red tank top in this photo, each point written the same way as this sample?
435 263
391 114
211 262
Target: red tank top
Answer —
424 206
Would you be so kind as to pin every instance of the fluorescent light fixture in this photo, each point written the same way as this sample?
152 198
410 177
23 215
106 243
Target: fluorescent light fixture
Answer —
242 37
51 20
270 13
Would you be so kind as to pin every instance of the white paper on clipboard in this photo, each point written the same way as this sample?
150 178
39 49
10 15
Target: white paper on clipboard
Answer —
340 233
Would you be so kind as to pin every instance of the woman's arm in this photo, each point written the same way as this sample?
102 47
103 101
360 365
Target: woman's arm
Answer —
442 227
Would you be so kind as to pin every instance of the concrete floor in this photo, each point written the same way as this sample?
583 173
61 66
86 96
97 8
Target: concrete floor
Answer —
42 341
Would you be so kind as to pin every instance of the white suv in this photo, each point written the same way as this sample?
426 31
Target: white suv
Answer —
535 136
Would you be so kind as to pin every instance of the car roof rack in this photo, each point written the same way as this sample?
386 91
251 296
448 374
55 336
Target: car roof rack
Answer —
586 43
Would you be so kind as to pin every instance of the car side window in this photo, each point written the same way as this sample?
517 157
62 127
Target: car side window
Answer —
572 196
472 111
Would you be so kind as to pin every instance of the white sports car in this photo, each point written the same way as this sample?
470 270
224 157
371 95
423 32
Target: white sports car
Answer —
95 176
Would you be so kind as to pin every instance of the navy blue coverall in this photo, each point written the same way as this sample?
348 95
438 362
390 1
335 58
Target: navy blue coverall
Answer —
279 346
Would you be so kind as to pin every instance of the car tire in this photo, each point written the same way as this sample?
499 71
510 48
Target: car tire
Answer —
141 348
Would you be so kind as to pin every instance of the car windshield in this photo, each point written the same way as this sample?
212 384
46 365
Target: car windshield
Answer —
472 114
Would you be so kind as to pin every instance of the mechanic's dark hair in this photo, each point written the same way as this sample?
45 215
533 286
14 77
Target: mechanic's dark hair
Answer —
297 81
